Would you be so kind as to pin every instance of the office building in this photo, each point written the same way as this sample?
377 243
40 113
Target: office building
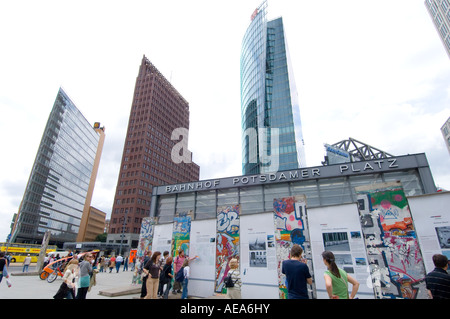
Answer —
150 156
445 129
439 11
272 136
92 224
62 178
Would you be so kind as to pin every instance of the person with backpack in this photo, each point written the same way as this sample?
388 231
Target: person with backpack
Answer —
166 277
177 264
186 270
233 281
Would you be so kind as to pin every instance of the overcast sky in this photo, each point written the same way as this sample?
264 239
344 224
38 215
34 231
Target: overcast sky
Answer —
373 70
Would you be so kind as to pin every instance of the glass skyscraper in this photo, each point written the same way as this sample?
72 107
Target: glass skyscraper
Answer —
272 138
439 11
58 186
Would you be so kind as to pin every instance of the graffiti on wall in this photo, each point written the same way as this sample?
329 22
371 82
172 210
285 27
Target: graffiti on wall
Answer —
227 242
396 265
291 228
181 233
145 244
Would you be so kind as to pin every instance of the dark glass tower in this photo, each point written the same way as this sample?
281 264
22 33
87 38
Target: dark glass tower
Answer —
58 186
272 138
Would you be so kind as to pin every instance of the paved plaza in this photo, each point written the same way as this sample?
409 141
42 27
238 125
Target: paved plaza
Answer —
113 285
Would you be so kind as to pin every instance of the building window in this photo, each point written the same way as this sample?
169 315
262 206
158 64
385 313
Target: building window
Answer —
334 191
252 200
166 208
227 197
272 192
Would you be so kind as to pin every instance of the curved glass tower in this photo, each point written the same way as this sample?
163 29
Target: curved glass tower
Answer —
272 138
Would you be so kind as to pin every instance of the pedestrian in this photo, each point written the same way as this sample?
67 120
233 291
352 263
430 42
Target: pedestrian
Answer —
163 259
125 264
336 279
112 263
133 263
8 259
144 274
102 263
51 259
3 268
147 257
234 291
153 268
438 281
45 261
178 263
166 277
85 276
187 271
67 288
297 274
119 260
26 263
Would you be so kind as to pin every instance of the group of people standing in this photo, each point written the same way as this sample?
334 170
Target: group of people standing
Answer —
336 279
158 271
114 262
77 278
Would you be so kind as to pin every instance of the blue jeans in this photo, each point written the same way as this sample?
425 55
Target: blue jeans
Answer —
184 294
25 267
166 292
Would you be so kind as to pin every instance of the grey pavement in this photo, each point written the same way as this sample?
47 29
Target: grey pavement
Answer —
111 285
108 286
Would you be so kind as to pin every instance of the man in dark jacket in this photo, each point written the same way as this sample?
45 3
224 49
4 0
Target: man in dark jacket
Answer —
438 281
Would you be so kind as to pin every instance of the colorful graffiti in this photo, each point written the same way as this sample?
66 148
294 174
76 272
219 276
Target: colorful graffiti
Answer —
181 233
227 242
145 243
395 260
291 228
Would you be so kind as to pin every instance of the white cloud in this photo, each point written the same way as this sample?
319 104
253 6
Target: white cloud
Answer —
374 71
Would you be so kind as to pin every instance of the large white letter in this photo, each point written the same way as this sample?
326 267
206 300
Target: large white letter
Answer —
180 152
270 162
252 145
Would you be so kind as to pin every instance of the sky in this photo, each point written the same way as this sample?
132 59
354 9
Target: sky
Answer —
373 70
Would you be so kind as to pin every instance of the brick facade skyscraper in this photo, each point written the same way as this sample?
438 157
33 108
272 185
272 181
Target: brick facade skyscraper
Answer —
157 111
